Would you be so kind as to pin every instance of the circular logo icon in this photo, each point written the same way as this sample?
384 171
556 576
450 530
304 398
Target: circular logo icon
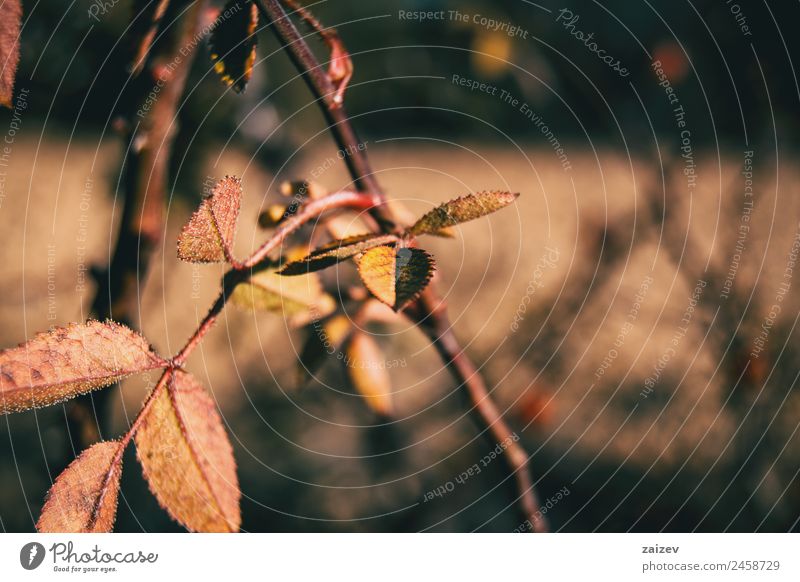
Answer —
31 555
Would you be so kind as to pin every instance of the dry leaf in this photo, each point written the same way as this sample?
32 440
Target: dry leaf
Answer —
187 459
83 498
335 252
366 367
395 276
233 43
299 299
145 19
68 361
208 237
10 18
461 210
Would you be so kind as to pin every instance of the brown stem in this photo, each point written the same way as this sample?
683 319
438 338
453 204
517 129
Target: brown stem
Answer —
428 308
431 315
205 326
145 182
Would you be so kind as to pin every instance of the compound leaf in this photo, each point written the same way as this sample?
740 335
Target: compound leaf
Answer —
299 299
461 210
10 19
83 498
233 43
187 458
68 361
395 276
366 366
208 236
335 252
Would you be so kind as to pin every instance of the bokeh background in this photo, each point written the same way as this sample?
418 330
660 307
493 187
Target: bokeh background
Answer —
640 290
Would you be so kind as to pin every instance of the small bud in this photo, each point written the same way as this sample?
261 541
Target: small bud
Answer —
272 216
302 189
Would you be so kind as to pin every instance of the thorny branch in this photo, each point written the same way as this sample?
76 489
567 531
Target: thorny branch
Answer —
429 310
144 188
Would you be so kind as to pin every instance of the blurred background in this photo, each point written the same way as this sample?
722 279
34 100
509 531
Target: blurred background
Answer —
633 314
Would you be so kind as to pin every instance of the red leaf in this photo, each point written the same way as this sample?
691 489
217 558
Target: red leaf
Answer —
208 236
84 497
68 361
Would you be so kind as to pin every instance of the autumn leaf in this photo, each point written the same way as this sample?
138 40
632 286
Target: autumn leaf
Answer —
395 276
461 210
208 236
335 252
299 299
145 19
187 458
83 498
68 361
323 340
366 367
233 43
10 19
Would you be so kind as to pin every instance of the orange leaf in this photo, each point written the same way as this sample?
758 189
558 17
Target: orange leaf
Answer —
187 458
10 18
68 361
84 497
366 367
395 276
208 237
461 210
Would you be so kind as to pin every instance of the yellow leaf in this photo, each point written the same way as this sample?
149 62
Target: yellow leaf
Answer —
299 299
366 367
395 276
